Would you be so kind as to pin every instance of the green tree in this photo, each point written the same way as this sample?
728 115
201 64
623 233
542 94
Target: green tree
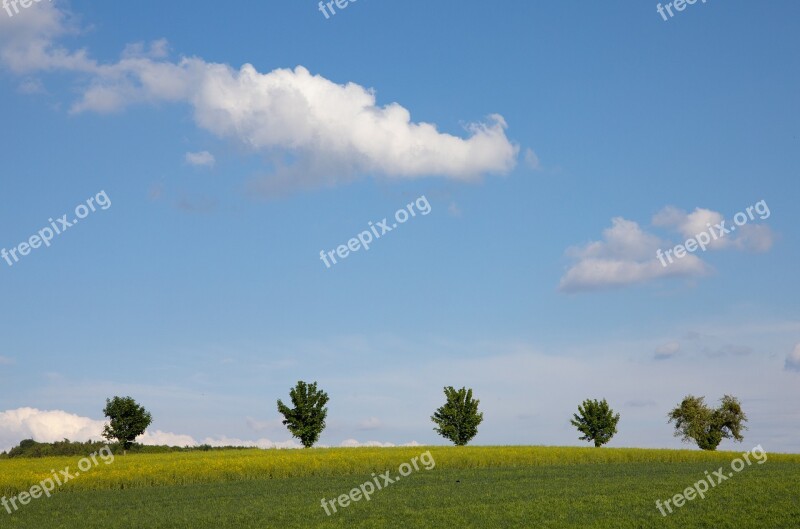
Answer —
459 418
307 419
694 421
596 421
128 420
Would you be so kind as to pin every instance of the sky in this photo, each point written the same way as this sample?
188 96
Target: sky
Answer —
183 189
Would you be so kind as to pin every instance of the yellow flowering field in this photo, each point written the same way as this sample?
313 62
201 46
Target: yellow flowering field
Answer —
147 470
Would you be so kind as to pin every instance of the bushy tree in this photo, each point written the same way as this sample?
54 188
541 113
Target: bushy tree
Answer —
596 421
694 421
459 418
307 419
128 420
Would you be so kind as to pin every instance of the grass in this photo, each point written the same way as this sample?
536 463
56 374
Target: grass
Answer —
469 487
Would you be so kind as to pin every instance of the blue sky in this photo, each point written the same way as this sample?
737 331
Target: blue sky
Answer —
566 143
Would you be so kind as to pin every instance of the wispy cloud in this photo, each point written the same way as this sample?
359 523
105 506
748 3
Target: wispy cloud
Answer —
668 350
200 159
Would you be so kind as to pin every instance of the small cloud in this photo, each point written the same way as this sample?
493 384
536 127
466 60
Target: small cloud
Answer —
746 237
373 423
793 360
454 210
200 159
626 255
668 350
4 361
532 160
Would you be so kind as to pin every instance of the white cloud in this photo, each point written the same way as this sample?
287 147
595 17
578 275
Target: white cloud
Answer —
668 350
793 359
333 133
5 361
45 426
201 159
691 224
165 438
748 237
626 255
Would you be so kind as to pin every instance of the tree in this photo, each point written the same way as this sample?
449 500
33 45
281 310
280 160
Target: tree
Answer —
694 421
596 421
307 419
459 418
128 420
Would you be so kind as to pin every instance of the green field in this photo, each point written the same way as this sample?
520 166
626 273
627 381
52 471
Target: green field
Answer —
469 487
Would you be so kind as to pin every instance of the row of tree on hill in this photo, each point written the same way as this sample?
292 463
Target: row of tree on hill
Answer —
458 418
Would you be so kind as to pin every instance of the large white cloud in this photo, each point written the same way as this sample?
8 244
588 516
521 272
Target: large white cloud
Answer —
331 132
45 426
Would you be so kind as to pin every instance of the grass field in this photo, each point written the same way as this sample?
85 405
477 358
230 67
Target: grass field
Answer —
469 487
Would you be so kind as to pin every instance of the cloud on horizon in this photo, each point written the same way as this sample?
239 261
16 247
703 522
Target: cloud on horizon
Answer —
47 426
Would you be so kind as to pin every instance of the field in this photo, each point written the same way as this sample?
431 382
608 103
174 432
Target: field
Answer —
468 487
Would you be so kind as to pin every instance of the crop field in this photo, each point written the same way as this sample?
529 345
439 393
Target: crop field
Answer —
467 487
